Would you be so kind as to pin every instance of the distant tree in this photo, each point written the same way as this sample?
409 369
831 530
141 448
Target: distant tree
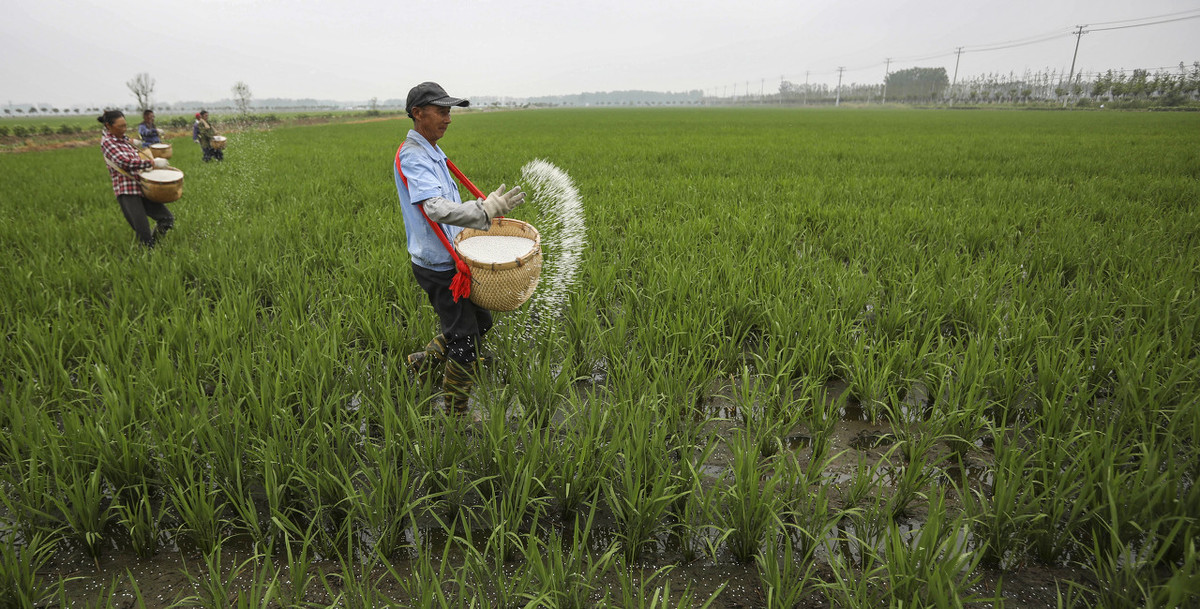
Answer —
142 87
33 109
241 97
917 84
373 107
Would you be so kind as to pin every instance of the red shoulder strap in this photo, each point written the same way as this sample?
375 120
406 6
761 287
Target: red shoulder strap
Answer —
460 286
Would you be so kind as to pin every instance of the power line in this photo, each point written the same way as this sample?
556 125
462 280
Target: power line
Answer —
1122 27
1194 10
1018 44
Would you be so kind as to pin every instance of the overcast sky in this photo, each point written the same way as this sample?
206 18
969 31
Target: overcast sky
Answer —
82 52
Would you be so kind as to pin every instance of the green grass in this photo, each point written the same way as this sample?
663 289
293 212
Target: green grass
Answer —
1032 274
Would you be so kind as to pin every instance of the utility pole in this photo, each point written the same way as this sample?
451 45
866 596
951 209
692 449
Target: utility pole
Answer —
838 99
762 88
1079 32
781 89
806 87
887 69
957 52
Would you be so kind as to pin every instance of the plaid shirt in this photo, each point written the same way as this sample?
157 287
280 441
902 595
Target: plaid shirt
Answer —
121 152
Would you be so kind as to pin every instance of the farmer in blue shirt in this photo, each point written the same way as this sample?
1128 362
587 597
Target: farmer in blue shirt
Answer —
148 132
427 190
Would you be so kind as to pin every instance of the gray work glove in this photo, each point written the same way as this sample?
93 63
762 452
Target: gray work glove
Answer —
499 203
160 163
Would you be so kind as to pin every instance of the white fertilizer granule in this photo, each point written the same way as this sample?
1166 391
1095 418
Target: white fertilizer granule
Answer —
488 249
162 175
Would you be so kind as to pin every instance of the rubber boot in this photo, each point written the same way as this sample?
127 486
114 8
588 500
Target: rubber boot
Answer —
456 386
424 361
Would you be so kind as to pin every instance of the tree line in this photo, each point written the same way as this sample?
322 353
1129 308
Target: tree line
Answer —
1177 87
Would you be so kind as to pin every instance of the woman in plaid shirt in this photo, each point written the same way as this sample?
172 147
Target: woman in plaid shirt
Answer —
123 162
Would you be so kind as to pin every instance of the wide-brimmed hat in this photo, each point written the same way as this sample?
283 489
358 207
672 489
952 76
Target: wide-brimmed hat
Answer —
431 94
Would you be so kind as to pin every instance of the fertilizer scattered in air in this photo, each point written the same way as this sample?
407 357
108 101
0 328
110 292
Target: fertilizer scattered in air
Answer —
563 238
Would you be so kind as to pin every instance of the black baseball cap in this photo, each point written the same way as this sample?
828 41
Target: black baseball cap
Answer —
431 94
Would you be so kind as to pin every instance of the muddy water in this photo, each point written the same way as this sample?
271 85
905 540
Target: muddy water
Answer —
168 577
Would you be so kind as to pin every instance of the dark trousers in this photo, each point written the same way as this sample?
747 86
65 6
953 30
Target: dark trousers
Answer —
137 209
463 323
213 153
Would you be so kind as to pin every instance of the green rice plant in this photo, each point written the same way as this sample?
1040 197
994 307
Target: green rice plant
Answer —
693 512
1128 570
430 584
20 562
142 519
874 376
29 492
784 582
856 586
933 567
298 550
509 513
83 505
200 507
865 479
124 454
389 499
439 447
581 458
804 508
750 503
355 585
544 380
917 472
1064 467
653 590
225 587
1002 516
643 491
568 578
488 584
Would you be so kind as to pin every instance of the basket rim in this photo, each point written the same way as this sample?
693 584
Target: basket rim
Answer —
534 253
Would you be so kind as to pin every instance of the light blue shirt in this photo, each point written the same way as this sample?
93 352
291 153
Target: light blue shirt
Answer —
428 176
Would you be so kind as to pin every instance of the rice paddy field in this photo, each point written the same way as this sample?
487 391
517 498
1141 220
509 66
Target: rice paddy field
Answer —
810 358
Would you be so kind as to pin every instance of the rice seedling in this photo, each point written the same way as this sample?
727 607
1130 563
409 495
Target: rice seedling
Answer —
297 547
250 583
510 513
750 508
581 459
142 519
83 506
568 577
784 582
643 491
934 566
198 504
1003 516
20 562
653 590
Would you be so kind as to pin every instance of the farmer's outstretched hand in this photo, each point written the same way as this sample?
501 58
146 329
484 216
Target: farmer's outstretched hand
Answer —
500 202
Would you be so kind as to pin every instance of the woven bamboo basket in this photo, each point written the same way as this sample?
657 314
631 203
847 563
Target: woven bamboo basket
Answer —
218 142
161 151
504 286
160 191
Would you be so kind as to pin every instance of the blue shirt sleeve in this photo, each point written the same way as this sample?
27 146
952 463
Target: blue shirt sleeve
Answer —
423 176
